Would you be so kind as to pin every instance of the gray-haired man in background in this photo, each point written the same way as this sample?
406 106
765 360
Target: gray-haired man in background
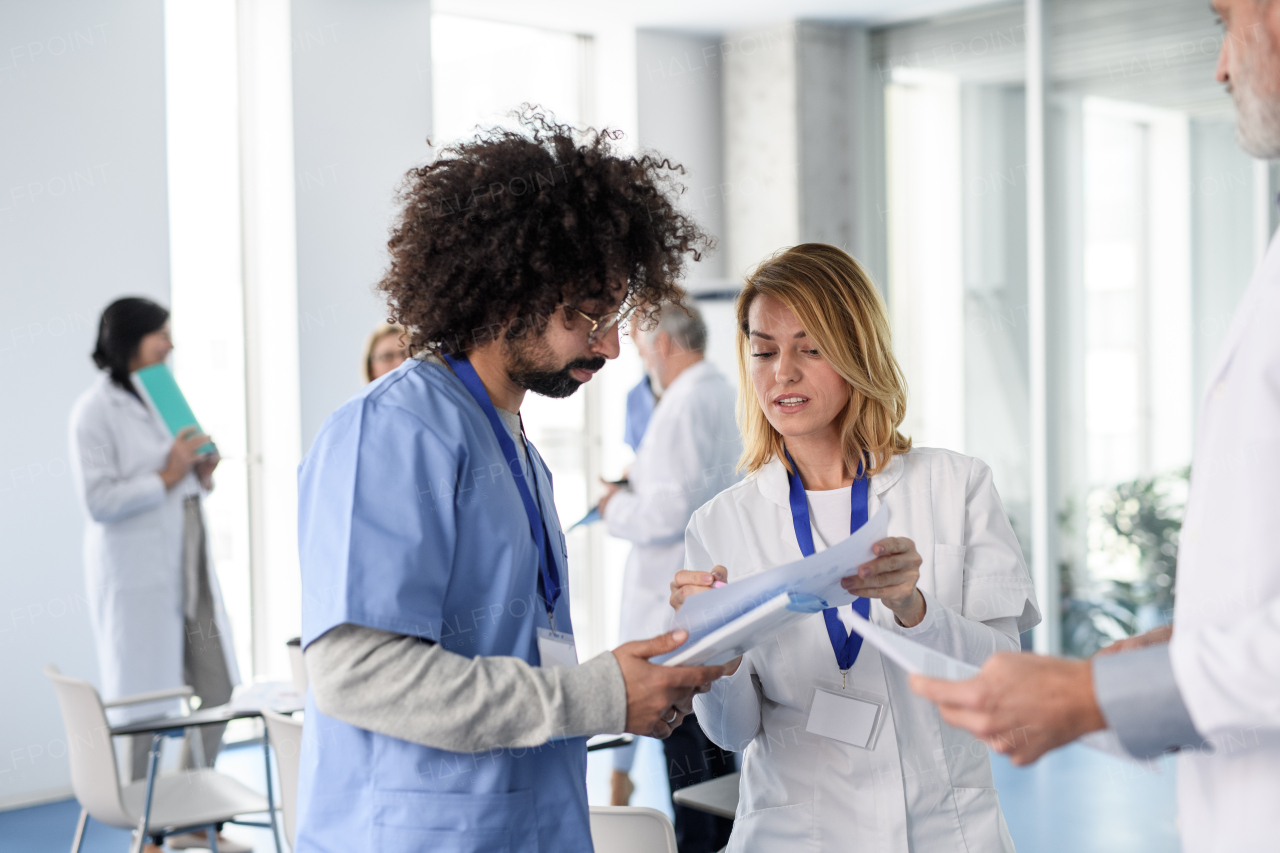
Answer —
688 454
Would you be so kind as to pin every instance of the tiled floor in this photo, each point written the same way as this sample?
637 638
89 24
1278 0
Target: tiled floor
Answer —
1072 800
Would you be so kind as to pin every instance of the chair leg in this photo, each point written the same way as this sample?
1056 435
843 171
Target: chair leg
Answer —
212 832
152 766
271 803
80 825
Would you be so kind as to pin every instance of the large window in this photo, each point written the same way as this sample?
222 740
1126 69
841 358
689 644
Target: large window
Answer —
202 112
1152 221
1140 182
956 226
1137 368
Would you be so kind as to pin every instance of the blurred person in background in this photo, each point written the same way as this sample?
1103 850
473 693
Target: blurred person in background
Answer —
1209 687
155 605
688 453
640 403
386 350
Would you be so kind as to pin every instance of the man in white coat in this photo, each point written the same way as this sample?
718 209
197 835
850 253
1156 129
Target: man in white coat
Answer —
689 454
1213 690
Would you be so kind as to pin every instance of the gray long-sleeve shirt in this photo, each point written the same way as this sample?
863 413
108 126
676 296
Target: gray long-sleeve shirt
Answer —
1141 702
415 690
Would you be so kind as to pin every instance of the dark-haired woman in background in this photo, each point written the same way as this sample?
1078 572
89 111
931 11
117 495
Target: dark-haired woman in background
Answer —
155 606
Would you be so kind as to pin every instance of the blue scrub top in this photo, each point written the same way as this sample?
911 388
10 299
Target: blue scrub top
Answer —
410 521
640 405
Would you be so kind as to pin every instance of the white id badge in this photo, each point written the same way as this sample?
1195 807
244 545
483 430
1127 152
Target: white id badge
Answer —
556 649
850 716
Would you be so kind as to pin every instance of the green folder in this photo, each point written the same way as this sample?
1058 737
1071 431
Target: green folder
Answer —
166 397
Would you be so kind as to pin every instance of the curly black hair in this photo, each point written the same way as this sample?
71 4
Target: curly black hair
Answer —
504 227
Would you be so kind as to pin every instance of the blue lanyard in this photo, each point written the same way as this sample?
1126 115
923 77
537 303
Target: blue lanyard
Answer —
549 573
846 646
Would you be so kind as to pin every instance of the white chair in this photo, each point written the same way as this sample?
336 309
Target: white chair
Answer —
285 733
158 806
630 829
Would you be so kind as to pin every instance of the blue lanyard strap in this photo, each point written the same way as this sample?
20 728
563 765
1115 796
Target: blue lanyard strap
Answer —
549 573
845 645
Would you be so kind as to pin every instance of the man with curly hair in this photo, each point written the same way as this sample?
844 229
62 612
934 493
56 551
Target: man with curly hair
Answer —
447 710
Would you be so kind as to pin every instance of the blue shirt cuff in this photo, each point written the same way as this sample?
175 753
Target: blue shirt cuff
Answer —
1141 702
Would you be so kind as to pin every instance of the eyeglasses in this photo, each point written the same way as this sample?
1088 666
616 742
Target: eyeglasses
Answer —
601 325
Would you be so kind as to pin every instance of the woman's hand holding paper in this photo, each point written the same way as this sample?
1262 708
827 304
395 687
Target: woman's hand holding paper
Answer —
890 577
686 584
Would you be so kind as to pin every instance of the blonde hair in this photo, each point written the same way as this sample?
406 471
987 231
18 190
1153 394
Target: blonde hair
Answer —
383 331
842 312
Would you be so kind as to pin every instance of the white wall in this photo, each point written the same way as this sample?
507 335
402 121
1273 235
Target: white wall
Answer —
680 113
359 77
361 117
83 220
926 287
761 130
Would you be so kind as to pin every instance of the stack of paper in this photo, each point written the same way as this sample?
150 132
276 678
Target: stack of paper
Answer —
756 608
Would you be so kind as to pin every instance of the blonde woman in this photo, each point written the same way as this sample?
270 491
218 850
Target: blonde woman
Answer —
839 754
386 350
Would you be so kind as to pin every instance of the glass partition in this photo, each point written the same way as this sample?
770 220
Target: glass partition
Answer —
1147 202
955 211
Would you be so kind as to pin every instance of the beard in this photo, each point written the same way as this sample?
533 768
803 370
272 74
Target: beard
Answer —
530 369
1258 111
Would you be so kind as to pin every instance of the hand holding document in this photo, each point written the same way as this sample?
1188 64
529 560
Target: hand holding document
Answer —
921 660
725 622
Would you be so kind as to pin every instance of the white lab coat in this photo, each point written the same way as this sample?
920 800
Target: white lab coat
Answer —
1226 641
133 546
688 454
925 786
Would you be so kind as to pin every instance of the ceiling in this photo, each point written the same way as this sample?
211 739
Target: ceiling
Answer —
707 16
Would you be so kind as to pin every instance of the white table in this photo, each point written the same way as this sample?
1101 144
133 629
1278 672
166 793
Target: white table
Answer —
717 796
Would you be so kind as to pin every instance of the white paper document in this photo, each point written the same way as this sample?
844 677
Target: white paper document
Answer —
910 655
811 584
752 628
920 660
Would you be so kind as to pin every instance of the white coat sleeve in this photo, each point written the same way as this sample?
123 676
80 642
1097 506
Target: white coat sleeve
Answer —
1229 675
669 481
729 713
108 496
997 591
1228 664
996 582
948 632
